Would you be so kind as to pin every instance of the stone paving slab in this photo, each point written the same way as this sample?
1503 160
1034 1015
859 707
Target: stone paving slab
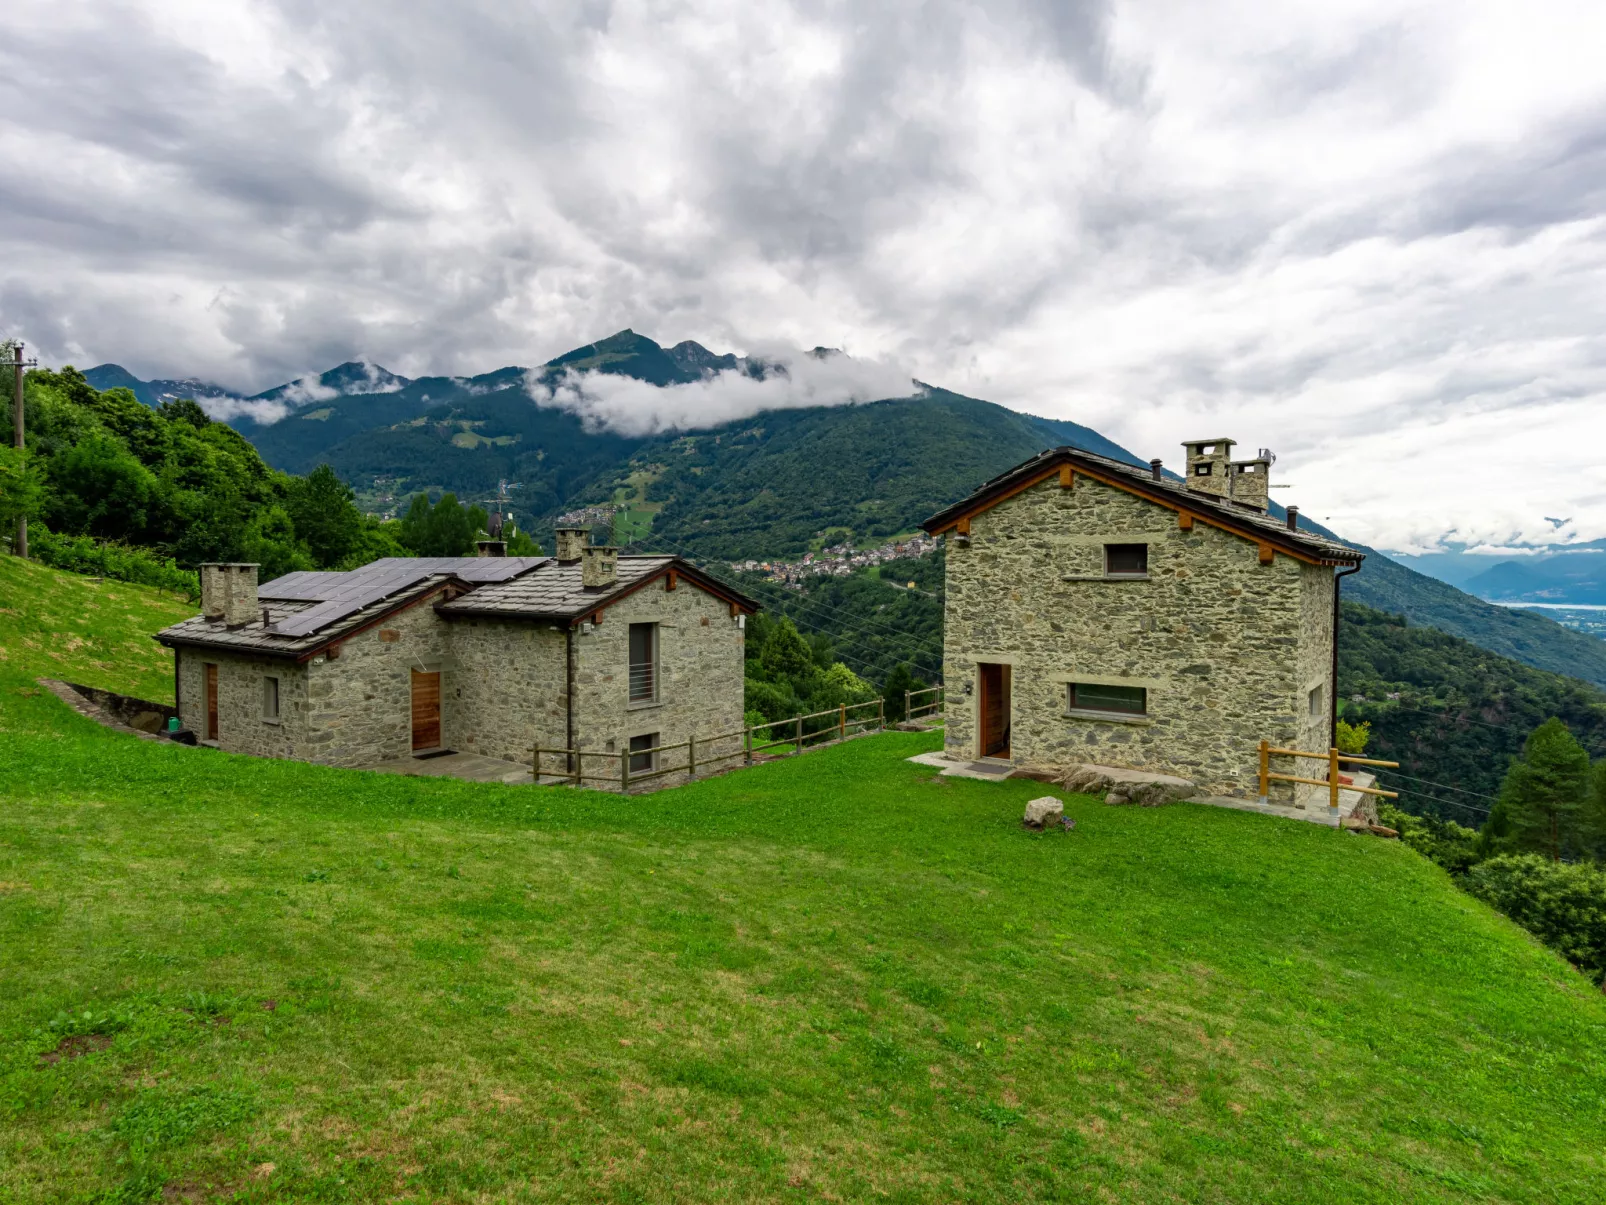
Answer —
981 771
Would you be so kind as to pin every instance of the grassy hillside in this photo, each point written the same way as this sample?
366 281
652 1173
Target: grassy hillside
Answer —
838 976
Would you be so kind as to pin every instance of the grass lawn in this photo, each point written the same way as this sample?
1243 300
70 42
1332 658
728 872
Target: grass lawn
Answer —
834 977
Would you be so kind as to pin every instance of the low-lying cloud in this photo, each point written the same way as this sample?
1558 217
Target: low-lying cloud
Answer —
791 381
262 411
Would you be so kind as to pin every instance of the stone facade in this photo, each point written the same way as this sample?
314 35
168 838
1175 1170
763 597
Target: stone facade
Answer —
1226 647
504 685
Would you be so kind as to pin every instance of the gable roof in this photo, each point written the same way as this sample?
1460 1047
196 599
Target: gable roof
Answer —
337 595
1231 517
557 592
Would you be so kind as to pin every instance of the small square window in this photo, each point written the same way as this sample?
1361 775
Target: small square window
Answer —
1125 700
1202 470
1316 698
1126 560
270 698
643 753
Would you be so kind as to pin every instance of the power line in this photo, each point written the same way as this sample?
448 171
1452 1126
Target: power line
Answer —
1442 785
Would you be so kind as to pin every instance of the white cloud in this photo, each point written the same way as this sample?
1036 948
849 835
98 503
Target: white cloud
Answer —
796 380
1368 234
259 410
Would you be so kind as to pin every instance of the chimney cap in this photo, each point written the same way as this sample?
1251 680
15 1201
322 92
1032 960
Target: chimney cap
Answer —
1154 467
1293 518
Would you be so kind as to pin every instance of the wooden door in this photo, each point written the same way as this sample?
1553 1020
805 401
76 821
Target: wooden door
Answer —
994 710
211 701
426 710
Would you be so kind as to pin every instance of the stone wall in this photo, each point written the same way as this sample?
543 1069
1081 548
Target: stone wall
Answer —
1213 636
360 704
240 726
509 689
1315 670
700 676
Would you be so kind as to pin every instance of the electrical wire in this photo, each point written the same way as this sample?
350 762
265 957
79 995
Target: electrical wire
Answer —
1441 785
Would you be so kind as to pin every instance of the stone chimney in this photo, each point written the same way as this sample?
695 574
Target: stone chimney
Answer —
599 566
490 547
1249 481
1208 464
570 542
229 593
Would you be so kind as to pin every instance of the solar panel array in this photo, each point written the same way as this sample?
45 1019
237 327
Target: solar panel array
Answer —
339 595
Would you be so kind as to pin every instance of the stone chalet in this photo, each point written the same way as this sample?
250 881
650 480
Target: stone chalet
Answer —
491 655
1099 613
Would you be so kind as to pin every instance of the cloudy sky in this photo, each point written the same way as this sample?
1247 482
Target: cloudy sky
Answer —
1368 235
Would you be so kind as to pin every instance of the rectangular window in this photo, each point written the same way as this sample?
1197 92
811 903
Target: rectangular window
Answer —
1126 560
1201 470
642 758
270 698
643 663
1316 700
1124 700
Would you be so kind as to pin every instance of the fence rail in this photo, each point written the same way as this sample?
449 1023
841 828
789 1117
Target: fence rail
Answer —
929 707
1332 782
851 719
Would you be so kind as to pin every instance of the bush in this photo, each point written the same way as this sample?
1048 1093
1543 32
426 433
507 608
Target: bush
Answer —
1451 845
1562 904
1352 738
82 554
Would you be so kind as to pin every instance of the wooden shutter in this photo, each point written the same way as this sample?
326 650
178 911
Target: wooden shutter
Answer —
426 710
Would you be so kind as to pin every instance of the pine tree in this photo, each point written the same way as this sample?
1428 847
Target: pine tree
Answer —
1541 808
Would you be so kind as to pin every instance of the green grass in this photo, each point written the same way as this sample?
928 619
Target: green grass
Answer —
837 976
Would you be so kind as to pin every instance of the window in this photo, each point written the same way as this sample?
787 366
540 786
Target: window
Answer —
1125 700
1126 560
270 699
643 758
1202 470
1315 700
643 663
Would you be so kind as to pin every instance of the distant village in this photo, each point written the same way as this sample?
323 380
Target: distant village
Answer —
837 561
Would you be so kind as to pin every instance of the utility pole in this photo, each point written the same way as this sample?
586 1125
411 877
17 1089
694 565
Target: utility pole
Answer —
17 439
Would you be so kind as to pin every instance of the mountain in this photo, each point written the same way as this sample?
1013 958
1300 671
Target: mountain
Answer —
1575 576
766 486
154 393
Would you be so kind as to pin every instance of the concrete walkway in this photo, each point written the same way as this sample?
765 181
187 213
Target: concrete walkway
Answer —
470 767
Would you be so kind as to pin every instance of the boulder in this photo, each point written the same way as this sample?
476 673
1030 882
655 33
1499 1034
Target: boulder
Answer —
1118 785
1040 811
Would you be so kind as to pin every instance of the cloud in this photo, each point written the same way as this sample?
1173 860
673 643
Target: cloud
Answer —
792 380
262 411
1369 235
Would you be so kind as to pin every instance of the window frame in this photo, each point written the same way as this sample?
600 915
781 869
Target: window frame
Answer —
1123 574
272 687
1075 706
1316 700
655 695
653 740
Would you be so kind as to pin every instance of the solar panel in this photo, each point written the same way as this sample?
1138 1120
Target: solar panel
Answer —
341 595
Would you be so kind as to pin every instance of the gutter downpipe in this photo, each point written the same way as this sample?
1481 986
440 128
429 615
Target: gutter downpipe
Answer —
568 695
1333 690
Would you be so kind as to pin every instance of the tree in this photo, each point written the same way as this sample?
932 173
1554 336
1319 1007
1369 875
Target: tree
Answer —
326 518
1541 803
899 681
100 489
446 529
520 543
786 656
270 541
20 489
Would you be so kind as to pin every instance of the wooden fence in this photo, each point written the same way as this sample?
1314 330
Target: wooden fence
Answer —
930 706
797 734
1332 782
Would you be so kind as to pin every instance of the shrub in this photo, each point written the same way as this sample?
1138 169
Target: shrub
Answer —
83 554
1451 845
1562 904
1352 738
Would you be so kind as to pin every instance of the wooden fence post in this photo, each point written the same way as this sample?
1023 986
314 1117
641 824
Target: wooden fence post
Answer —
799 747
691 757
624 770
1265 769
535 764
906 714
881 713
747 744
842 722
1332 777
578 777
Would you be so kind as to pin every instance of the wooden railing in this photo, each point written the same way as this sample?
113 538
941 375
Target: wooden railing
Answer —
929 707
800 734
1332 757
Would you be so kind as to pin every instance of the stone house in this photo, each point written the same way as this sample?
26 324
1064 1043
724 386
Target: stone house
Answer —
588 650
1098 612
